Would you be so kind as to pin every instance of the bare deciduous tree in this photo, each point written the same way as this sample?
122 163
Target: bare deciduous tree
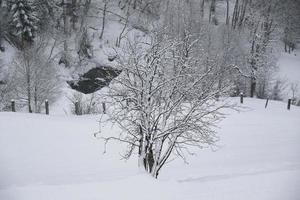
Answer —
35 77
294 88
164 101
105 2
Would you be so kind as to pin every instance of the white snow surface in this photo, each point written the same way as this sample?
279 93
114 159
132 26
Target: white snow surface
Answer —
58 158
289 65
289 71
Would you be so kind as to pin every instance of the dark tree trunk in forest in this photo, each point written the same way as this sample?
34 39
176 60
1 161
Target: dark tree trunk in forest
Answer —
36 110
285 46
84 14
103 18
252 87
66 5
212 10
242 12
65 16
74 14
202 9
235 14
239 13
227 12
28 89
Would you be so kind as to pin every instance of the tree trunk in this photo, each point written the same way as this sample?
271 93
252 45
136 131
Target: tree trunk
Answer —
252 87
285 47
2 49
65 54
235 14
202 9
227 12
242 12
212 10
118 42
84 15
74 17
65 17
147 159
66 32
103 19
28 80
36 110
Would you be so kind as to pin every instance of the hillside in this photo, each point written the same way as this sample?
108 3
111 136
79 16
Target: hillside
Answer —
289 70
144 99
289 66
57 157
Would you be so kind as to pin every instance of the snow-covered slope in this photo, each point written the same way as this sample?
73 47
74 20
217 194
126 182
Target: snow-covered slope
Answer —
289 65
58 158
289 72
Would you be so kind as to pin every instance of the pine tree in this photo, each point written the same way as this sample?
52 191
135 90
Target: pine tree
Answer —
23 20
4 27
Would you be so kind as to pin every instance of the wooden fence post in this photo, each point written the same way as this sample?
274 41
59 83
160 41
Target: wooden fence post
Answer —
47 107
104 107
13 106
267 103
289 104
242 98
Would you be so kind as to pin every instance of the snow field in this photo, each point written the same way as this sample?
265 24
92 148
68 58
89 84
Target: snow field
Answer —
57 158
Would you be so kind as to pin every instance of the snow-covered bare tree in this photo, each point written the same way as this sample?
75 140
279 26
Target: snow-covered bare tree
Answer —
48 14
294 89
85 48
164 101
6 86
287 16
35 76
278 89
85 103
259 26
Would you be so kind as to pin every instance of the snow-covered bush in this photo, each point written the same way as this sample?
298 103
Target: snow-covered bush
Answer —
278 89
164 101
85 103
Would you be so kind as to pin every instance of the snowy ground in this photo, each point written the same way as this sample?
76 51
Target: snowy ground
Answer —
289 65
57 158
289 71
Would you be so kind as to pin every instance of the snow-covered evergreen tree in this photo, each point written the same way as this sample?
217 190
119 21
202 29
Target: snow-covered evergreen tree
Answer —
23 19
3 24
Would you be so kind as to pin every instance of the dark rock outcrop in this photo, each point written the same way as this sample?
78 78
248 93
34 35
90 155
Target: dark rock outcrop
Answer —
94 79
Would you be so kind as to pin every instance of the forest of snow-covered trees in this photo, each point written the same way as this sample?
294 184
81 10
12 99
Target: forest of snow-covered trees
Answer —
78 34
170 63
